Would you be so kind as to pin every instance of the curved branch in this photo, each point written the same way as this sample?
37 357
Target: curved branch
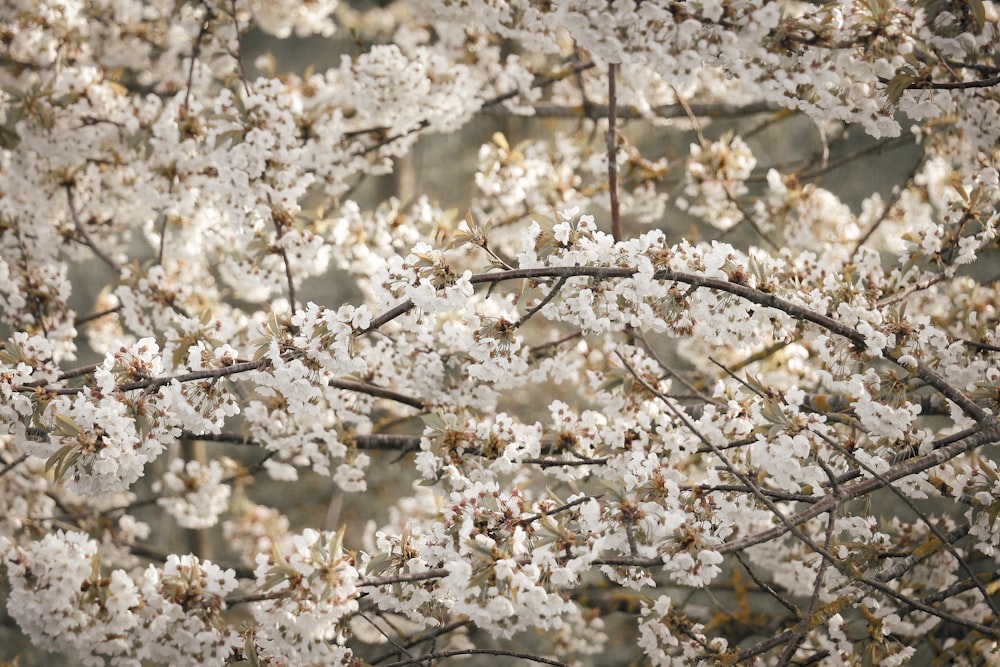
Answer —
758 297
431 657
378 392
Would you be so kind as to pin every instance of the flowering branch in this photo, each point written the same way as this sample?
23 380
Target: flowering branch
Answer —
538 431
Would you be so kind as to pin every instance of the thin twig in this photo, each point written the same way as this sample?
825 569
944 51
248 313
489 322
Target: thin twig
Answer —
494 102
800 630
689 112
541 304
641 337
986 347
378 392
77 372
13 464
847 158
731 468
195 50
894 198
410 577
531 518
543 348
239 49
430 635
82 231
96 316
399 647
862 488
787 604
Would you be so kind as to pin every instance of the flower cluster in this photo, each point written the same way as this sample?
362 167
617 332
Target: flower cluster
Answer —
315 589
192 493
62 600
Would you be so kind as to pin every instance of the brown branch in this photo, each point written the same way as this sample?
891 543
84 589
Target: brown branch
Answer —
435 573
153 383
750 294
239 49
612 142
847 158
905 499
371 441
195 51
431 657
957 588
288 277
695 281
543 348
665 112
888 574
865 487
954 85
524 521
928 609
830 502
77 372
539 82
758 297
986 347
792 527
378 392
641 337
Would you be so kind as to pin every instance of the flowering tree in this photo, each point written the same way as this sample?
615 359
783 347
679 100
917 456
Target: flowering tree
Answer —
772 451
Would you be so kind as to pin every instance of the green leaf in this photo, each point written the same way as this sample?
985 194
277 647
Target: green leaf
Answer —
62 460
899 84
67 427
380 564
250 651
978 13
9 138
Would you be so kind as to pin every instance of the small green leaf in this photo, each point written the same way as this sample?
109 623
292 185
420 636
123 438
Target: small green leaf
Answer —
978 13
250 651
899 84
62 460
66 426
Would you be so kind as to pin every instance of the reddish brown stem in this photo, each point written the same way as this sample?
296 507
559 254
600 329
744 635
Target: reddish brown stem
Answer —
616 225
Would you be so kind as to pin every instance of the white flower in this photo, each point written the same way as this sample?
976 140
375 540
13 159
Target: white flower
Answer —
193 493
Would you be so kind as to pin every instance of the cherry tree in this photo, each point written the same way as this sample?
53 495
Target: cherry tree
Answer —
642 405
